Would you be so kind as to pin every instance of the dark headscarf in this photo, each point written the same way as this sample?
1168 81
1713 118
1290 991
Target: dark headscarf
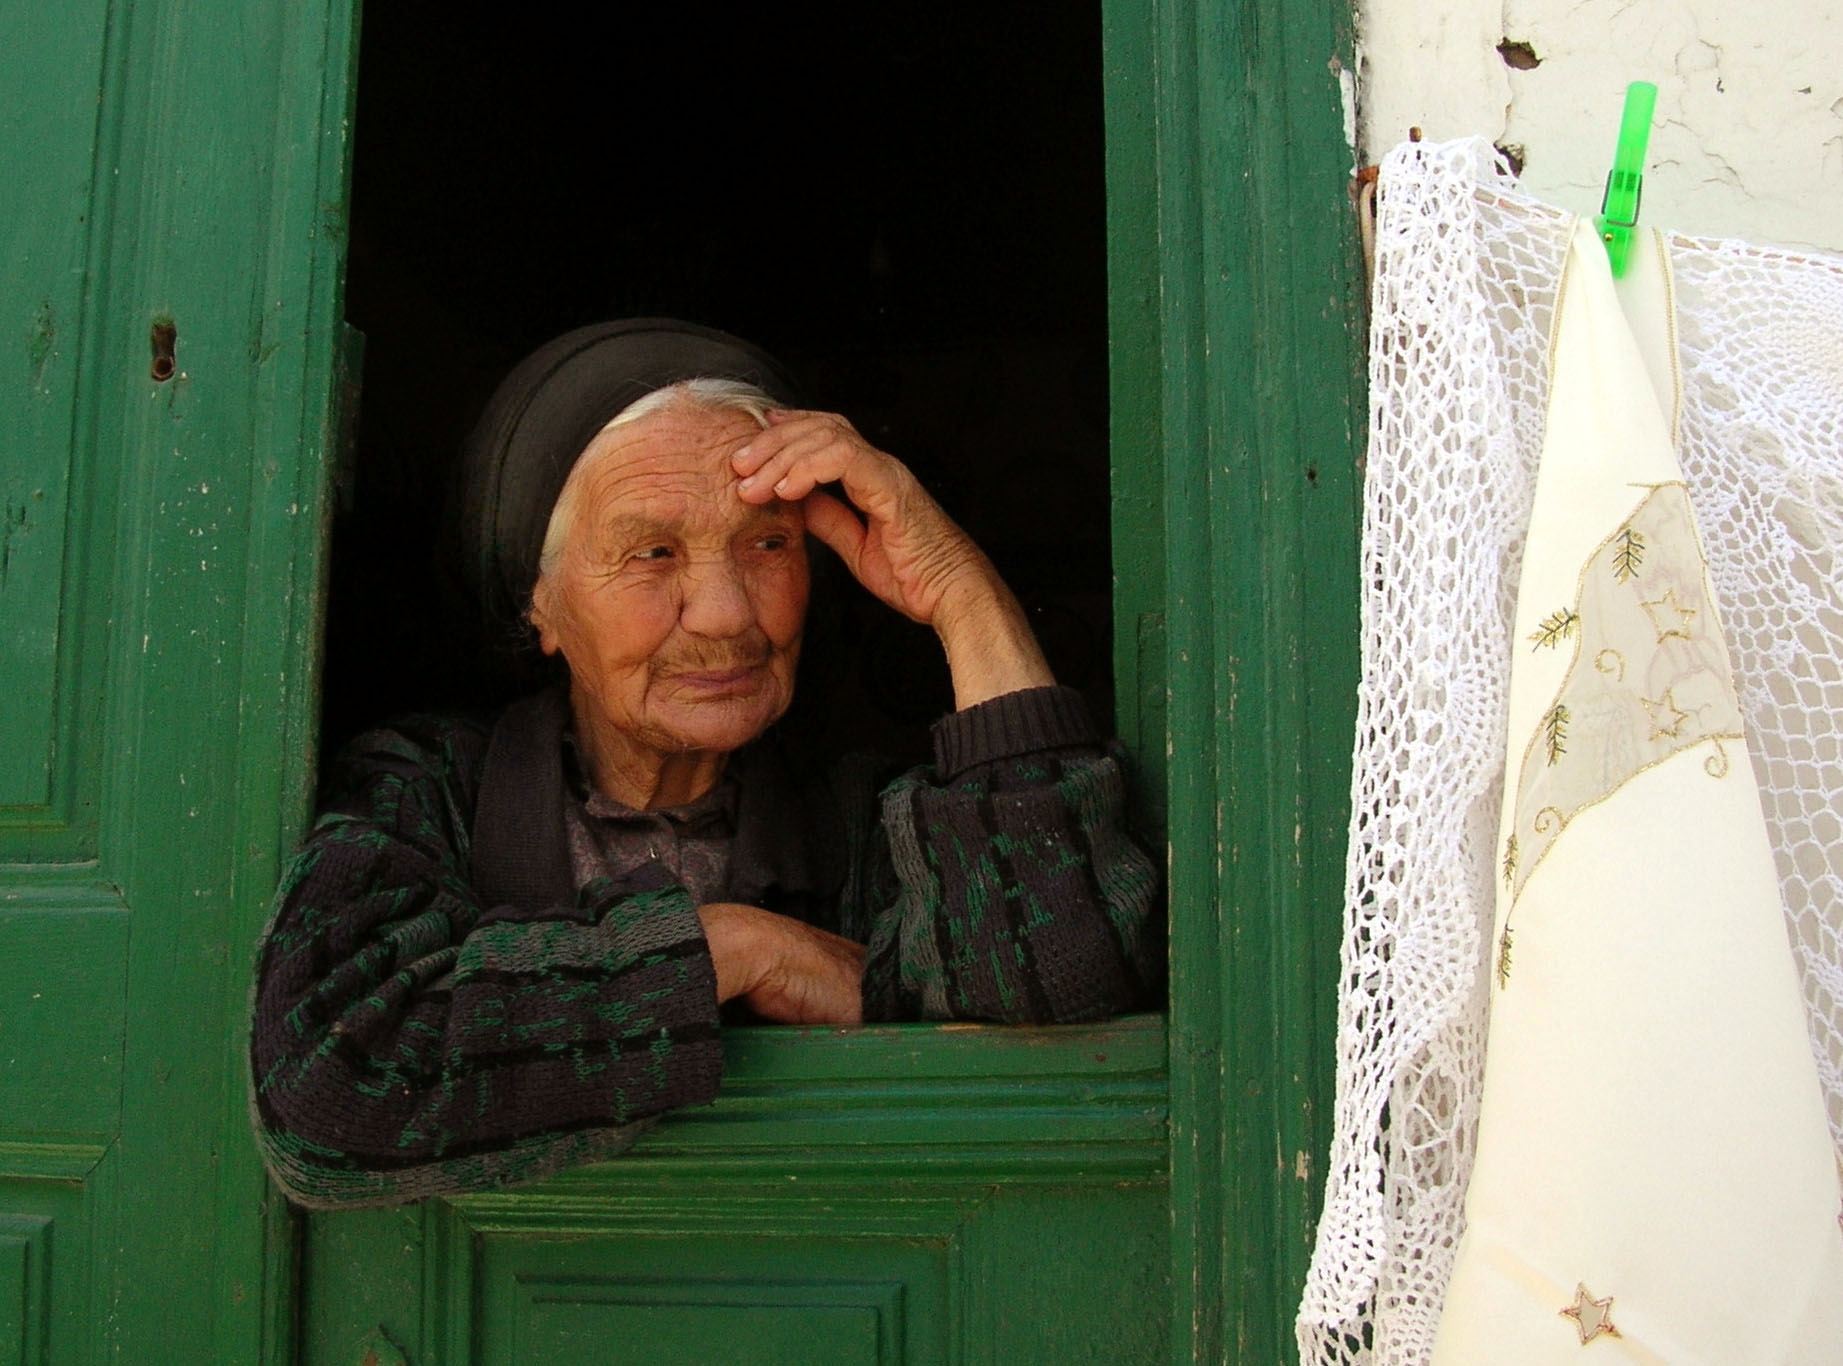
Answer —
545 412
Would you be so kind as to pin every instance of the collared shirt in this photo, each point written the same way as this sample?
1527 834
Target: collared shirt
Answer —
608 838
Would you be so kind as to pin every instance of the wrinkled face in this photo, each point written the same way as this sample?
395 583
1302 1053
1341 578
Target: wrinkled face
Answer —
678 606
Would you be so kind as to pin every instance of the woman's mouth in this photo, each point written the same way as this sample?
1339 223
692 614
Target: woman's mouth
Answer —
720 682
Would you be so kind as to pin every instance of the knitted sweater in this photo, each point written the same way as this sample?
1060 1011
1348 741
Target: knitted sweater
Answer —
440 1009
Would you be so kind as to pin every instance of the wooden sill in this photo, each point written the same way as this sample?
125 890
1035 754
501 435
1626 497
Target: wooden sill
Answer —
922 1102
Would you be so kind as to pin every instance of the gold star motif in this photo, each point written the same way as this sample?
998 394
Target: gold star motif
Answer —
1668 617
1664 710
1593 1318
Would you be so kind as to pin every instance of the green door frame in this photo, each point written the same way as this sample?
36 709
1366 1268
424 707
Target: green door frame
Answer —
1235 387
1237 402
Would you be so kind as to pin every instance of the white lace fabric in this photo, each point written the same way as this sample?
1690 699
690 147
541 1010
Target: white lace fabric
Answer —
1463 297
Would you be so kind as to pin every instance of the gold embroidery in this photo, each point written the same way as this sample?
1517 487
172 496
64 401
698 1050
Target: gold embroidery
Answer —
1503 959
1552 821
1555 731
1662 710
1510 858
1717 765
1655 687
1591 1317
1555 628
1629 555
1669 617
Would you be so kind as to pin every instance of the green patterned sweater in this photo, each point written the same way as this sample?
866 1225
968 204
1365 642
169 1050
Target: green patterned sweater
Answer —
440 1009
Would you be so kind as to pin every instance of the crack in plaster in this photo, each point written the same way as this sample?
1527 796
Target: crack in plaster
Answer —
1510 88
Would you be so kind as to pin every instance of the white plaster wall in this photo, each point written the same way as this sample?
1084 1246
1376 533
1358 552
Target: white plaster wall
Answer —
1748 137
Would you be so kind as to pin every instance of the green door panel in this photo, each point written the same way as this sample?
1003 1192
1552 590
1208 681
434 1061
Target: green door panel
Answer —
51 67
63 924
970 1194
747 1299
825 1324
25 1250
62 1018
162 164
52 1199
670 1267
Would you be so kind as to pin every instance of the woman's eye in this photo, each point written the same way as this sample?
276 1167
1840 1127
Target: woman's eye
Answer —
653 552
778 541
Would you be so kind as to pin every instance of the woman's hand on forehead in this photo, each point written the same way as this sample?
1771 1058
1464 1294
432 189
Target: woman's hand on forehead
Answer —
895 539
899 543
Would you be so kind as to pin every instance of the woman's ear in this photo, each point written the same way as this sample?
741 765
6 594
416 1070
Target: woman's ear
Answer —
539 615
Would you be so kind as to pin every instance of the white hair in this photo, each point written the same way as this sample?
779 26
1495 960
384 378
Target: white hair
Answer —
705 394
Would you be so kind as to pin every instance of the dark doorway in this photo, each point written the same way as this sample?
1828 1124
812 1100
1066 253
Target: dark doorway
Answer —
904 203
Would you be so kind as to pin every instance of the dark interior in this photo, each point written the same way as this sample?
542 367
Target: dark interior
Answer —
904 203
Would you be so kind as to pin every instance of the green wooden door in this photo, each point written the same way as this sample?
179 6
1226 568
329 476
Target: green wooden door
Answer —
161 176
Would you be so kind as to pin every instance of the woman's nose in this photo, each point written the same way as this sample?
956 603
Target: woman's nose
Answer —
716 600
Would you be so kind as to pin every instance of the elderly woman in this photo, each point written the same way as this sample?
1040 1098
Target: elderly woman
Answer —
504 948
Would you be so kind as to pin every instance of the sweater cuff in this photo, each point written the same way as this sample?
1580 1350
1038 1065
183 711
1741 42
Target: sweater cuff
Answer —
1022 722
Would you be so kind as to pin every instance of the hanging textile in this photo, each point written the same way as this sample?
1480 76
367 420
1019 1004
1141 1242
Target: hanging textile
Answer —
1652 1161
1465 295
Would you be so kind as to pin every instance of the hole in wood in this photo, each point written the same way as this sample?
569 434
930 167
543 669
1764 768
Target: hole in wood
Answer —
163 337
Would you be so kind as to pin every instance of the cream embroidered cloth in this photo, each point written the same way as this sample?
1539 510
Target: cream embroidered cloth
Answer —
1653 1169
1464 297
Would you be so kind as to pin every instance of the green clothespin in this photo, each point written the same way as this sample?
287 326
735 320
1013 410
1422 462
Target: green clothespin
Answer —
1625 183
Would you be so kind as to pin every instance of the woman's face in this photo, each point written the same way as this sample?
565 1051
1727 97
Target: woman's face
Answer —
678 606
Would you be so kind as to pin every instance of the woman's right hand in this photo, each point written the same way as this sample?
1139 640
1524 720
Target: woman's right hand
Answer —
783 969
